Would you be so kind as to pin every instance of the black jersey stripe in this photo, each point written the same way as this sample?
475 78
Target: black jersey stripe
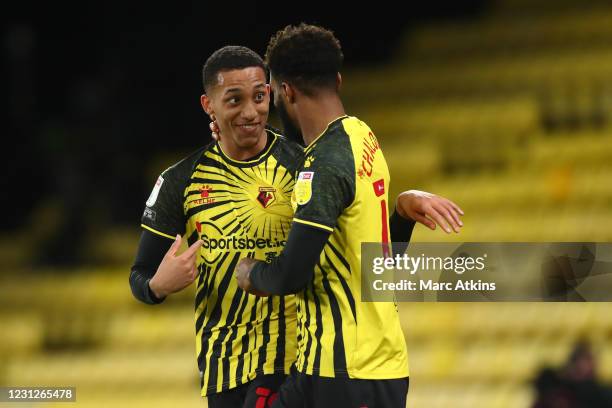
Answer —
209 162
342 259
200 180
288 182
216 314
259 170
266 166
246 174
275 171
307 337
279 360
244 301
205 292
263 353
299 329
203 270
233 220
265 229
347 290
209 172
193 237
240 369
235 230
339 356
232 332
316 367
283 229
220 215
202 285
196 209
244 214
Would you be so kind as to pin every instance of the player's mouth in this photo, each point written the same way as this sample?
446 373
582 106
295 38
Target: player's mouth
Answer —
249 127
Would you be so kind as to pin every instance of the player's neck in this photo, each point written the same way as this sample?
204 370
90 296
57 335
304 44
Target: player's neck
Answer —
316 114
238 153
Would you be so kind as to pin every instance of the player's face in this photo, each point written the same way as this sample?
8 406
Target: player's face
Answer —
240 103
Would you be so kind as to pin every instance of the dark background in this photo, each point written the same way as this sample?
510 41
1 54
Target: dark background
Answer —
93 91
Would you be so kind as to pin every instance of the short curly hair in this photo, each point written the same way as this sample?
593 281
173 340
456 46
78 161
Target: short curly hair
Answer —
228 58
307 56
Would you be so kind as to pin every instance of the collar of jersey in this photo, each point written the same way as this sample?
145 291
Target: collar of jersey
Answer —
257 159
311 145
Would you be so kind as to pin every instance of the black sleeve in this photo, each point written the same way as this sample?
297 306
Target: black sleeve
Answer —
294 267
164 208
151 251
323 191
401 231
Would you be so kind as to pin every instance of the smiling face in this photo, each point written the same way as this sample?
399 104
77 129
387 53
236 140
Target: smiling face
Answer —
240 104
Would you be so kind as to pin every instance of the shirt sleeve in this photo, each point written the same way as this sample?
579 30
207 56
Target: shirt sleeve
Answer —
401 231
293 269
151 251
321 193
163 214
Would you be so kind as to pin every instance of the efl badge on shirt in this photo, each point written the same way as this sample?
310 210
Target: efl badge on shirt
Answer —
303 187
153 197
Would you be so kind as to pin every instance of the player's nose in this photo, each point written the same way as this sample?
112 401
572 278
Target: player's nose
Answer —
249 112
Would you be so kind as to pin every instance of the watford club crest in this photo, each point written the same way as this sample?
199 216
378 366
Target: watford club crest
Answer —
266 196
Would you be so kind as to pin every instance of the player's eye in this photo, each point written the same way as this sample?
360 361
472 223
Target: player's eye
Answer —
260 96
233 101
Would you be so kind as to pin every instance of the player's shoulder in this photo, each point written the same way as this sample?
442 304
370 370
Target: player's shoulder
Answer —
287 152
356 129
184 168
332 151
283 143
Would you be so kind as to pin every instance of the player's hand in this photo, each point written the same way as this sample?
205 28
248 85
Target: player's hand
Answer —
175 272
214 129
429 209
243 273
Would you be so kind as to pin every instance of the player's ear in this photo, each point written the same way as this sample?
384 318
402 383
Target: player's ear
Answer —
288 92
207 105
338 82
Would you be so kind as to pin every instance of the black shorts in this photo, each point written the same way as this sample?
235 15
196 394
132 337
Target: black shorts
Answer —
307 391
259 393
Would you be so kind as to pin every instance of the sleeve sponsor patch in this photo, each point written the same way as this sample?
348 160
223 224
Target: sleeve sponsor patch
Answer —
153 197
303 187
149 214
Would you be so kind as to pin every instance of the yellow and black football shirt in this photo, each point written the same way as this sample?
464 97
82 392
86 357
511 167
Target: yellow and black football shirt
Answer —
343 188
239 209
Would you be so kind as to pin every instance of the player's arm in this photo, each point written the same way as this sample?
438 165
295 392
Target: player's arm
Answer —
291 271
414 206
159 271
150 252
430 210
